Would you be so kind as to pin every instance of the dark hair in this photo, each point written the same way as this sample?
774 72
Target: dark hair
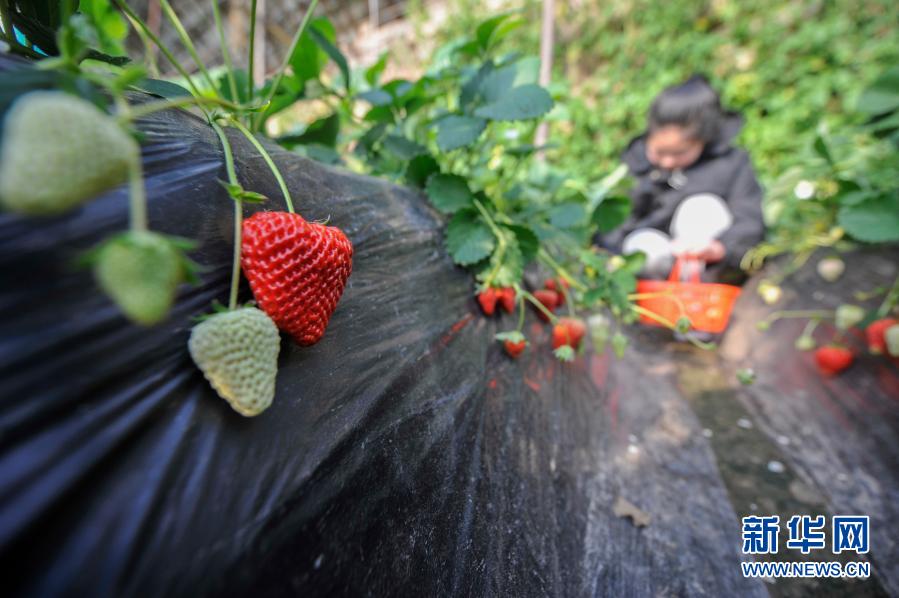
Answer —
693 105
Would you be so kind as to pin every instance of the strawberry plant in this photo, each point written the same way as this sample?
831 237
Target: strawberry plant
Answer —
79 141
462 134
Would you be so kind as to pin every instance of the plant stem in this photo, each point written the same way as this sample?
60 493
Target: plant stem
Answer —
137 195
890 300
226 54
268 160
281 70
250 81
536 302
138 23
520 307
501 242
810 327
238 214
151 107
553 265
653 316
185 39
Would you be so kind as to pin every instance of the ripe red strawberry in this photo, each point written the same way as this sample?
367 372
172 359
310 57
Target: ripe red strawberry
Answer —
833 359
297 271
569 331
549 299
507 298
487 298
875 334
514 349
554 284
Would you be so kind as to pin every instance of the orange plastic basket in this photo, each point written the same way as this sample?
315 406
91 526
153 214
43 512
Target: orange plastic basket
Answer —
707 305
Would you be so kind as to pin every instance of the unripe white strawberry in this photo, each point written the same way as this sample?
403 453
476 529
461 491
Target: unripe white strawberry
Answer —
237 351
891 336
848 316
769 292
831 268
59 151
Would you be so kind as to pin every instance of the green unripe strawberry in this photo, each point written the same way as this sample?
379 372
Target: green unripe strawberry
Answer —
891 336
58 151
140 271
237 351
805 342
848 316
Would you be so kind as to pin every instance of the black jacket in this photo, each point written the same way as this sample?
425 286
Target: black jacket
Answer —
722 169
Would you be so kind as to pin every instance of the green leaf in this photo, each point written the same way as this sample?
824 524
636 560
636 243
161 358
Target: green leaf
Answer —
567 215
487 32
376 97
821 149
506 267
471 88
875 220
448 192
521 103
497 84
454 131
528 242
611 213
380 114
619 344
468 238
320 35
323 131
403 148
308 58
109 25
372 136
883 94
513 336
564 353
420 168
373 73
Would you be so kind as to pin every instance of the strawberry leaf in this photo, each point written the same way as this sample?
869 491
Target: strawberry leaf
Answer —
527 241
874 220
521 103
448 192
468 239
514 336
564 353
611 213
455 131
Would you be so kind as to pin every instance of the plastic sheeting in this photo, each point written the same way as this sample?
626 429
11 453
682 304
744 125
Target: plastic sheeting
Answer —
404 453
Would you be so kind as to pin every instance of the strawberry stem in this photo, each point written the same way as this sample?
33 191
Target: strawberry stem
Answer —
559 270
268 160
252 48
283 68
137 195
536 302
520 297
889 301
501 243
188 44
139 24
238 214
226 54
151 107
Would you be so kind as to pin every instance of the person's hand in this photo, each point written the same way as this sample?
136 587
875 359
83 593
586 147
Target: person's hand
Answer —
710 253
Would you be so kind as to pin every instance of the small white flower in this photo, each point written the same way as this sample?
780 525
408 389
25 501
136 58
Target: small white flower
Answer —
511 133
804 189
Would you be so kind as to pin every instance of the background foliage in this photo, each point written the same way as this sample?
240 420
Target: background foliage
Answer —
784 65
